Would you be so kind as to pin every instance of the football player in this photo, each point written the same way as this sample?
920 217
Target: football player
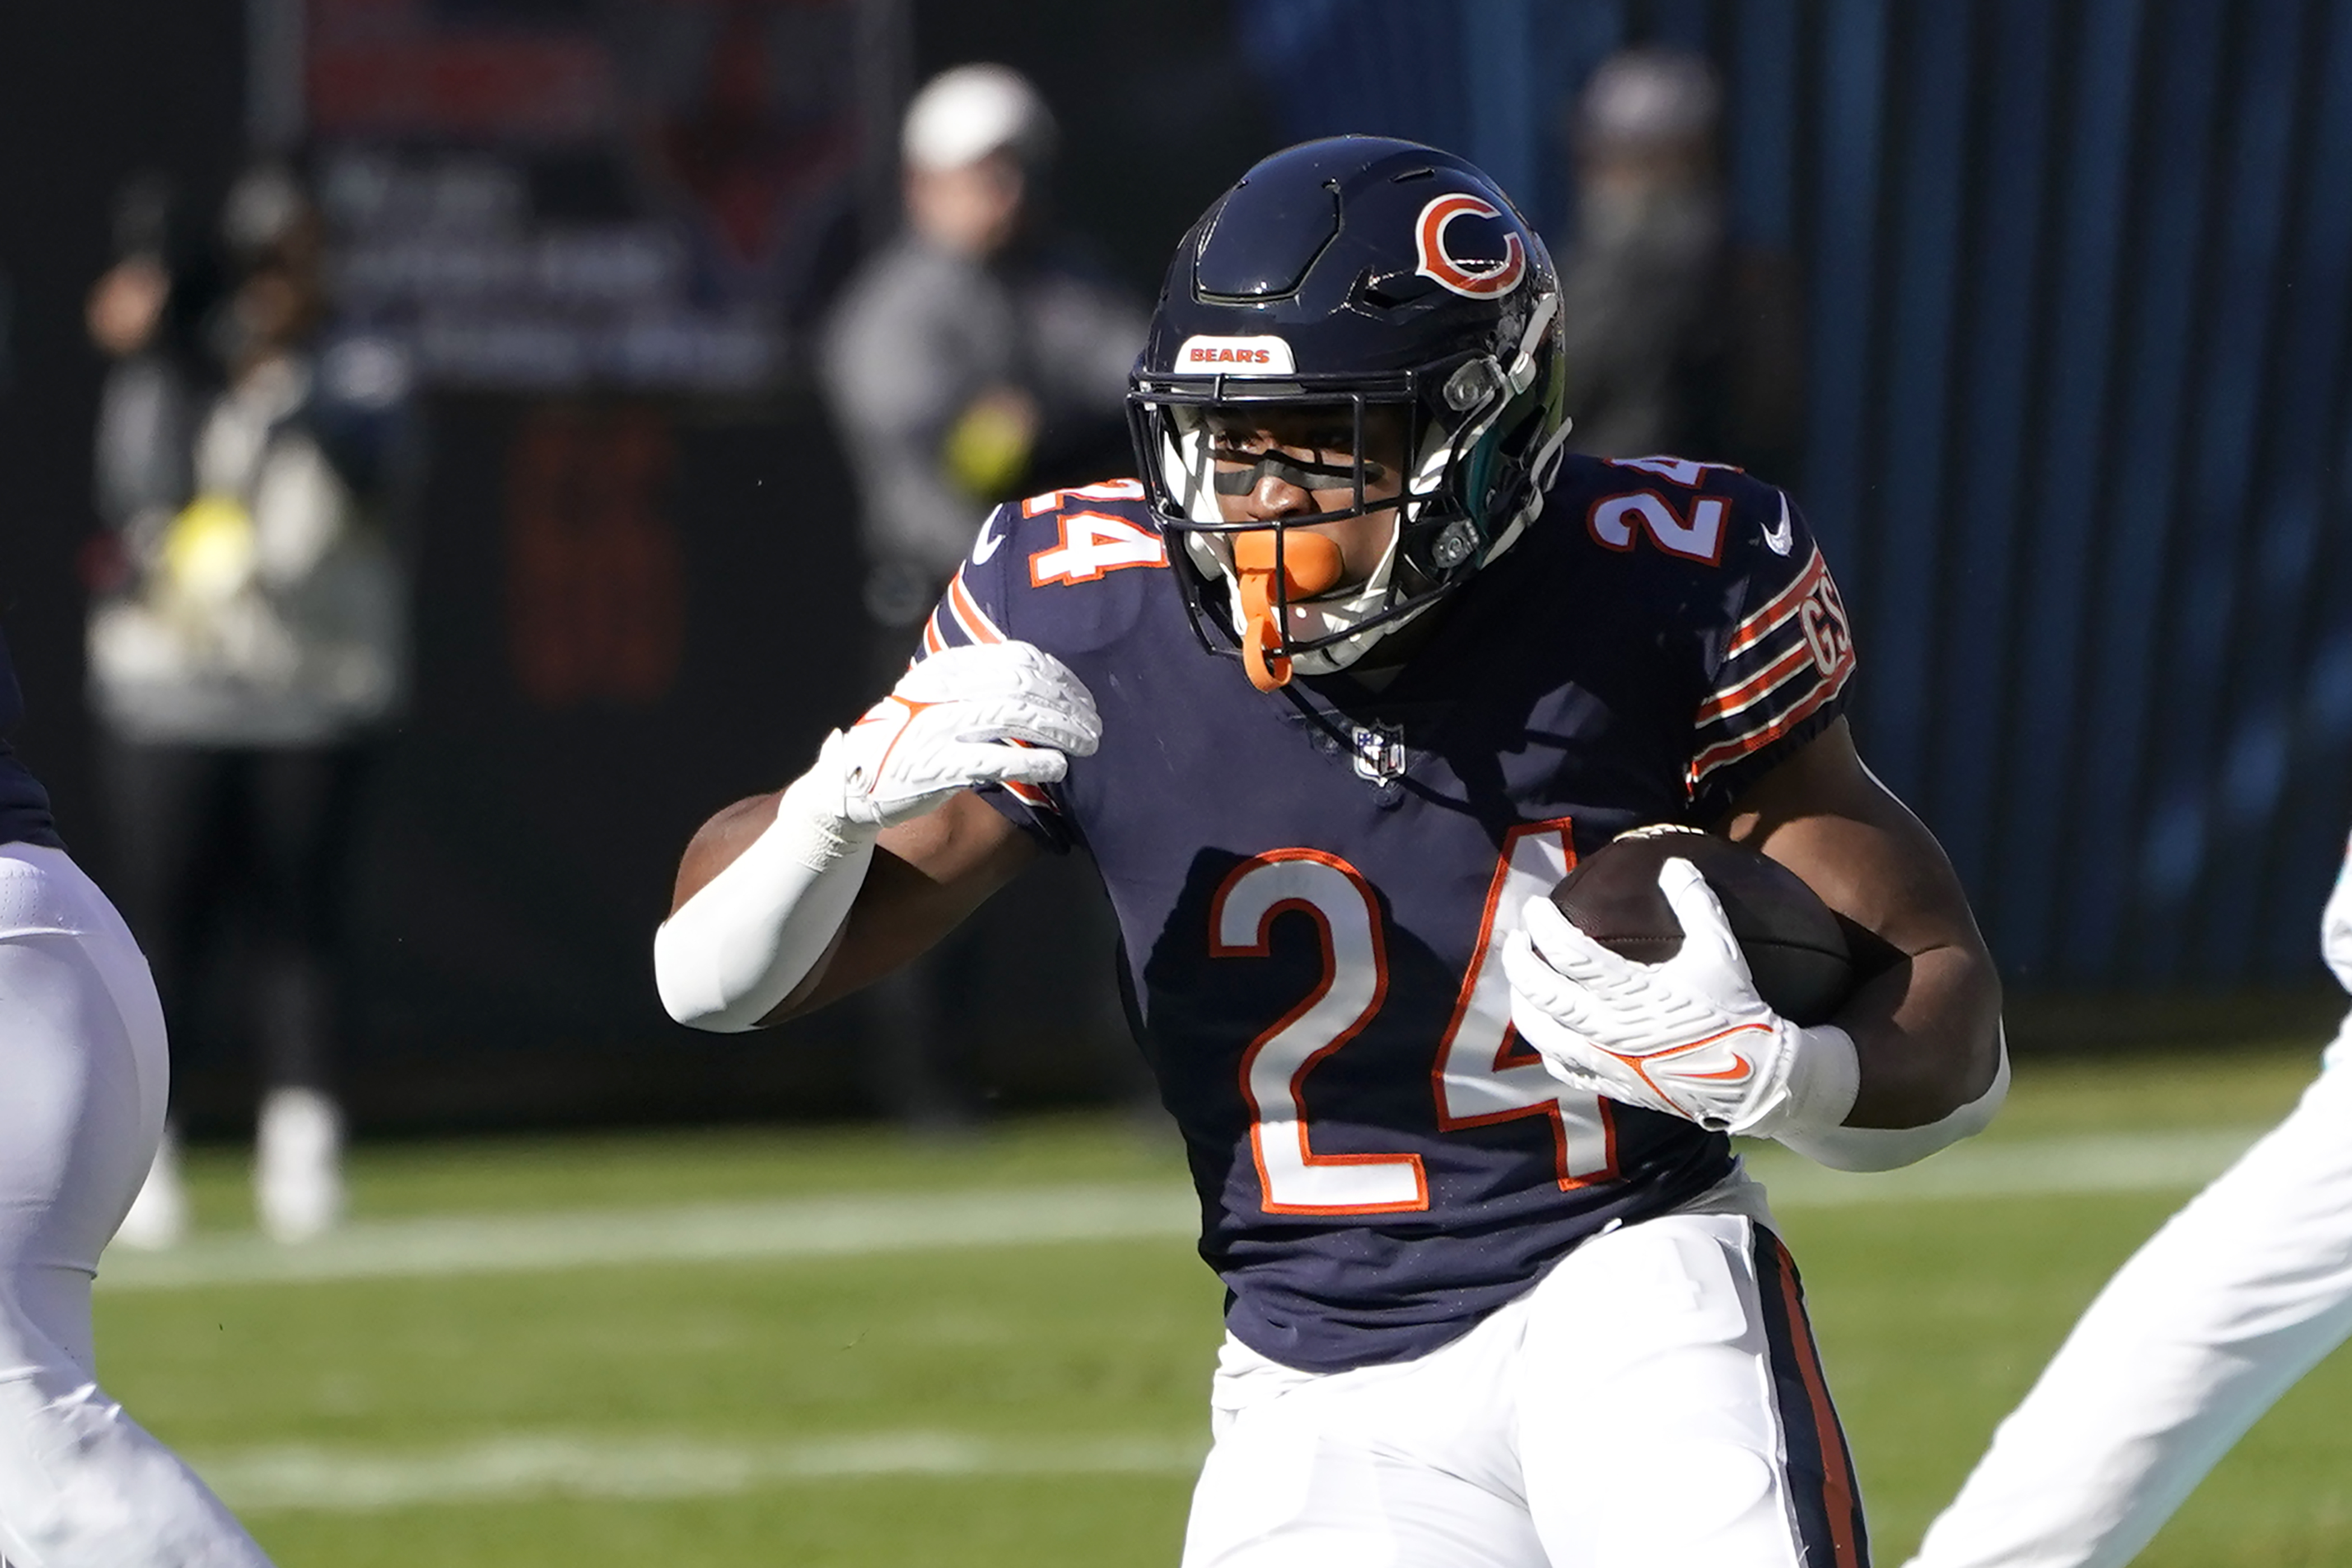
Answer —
1332 692
2239 1295
81 1052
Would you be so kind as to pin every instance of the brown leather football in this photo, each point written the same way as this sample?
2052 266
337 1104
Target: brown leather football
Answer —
1797 949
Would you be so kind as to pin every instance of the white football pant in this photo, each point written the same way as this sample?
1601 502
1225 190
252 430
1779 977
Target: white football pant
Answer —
82 1079
1655 1402
2238 1296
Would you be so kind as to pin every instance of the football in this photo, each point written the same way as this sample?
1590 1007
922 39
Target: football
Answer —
1797 949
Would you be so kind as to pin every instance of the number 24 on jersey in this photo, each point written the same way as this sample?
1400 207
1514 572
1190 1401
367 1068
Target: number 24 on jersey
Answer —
1481 1075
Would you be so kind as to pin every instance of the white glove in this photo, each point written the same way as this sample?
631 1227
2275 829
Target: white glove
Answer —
1004 712
736 949
1689 1037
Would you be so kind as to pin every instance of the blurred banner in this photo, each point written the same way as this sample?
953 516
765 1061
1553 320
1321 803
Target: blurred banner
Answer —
2079 397
553 194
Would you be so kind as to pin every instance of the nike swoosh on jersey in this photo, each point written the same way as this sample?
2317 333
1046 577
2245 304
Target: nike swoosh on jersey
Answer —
986 544
1780 535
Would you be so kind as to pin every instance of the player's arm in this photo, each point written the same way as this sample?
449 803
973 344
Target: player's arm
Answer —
1926 1027
786 901
924 877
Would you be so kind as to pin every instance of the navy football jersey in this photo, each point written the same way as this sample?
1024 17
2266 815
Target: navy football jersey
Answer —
1313 885
23 804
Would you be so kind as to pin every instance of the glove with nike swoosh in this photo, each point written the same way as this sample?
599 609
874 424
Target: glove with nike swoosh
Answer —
1689 1037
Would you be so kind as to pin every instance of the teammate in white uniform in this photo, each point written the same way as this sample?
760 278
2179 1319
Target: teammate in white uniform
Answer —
82 1060
2239 1295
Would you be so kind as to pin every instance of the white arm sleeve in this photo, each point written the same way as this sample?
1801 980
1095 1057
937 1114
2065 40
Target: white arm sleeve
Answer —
739 946
1842 1148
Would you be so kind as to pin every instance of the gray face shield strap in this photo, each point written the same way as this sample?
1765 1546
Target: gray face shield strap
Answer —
1307 476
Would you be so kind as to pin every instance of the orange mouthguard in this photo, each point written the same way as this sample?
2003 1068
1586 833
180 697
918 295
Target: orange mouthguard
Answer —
1310 566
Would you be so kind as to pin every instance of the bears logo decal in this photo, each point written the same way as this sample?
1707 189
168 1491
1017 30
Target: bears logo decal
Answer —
1473 278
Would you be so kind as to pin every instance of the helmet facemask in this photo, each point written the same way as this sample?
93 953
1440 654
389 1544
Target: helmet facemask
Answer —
1478 458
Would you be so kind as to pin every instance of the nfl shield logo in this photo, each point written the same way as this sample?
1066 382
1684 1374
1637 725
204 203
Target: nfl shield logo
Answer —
1380 752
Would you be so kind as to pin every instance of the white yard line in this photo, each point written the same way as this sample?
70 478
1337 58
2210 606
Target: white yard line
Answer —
2026 1168
521 1466
811 1227
868 1223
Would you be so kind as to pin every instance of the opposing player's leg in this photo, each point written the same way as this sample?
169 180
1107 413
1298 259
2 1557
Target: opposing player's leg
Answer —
1409 1466
84 1486
2239 1295
81 1048
1672 1409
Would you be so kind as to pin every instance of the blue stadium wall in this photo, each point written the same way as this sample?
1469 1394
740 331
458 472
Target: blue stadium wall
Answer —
2078 413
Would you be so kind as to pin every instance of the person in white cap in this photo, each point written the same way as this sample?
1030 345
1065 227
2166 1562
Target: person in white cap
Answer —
969 355
1682 337
2239 1295
970 361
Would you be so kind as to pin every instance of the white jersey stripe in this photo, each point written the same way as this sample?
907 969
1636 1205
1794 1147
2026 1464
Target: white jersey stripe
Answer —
1754 627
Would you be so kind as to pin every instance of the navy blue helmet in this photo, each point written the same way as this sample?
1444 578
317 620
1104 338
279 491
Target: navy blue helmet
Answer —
1353 275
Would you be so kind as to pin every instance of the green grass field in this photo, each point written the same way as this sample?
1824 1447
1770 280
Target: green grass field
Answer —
834 1348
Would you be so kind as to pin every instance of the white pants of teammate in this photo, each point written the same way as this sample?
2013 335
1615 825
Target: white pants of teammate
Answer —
82 1078
2238 1296
1655 1402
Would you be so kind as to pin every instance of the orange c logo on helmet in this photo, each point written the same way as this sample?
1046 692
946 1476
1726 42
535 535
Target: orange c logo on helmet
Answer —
1475 279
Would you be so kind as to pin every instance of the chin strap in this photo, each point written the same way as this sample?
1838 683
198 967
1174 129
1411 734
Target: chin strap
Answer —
1308 564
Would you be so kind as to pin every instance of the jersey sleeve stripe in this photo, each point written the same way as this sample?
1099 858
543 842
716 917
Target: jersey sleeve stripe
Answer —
973 621
1775 610
1738 746
969 617
1030 795
959 621
1733 700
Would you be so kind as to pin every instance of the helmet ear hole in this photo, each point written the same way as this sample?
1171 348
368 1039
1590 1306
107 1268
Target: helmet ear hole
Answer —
1471 384
1456 543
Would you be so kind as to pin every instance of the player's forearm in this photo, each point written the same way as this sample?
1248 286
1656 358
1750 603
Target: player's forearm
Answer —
926 878
1926 1032
763 912
1928 1062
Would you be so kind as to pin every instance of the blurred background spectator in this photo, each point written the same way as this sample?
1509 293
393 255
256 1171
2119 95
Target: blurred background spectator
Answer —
977 356
973 359
146 314
246 643
1679 338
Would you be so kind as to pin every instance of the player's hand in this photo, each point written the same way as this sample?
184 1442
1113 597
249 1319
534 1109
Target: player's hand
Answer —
1002 712
1689 1037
